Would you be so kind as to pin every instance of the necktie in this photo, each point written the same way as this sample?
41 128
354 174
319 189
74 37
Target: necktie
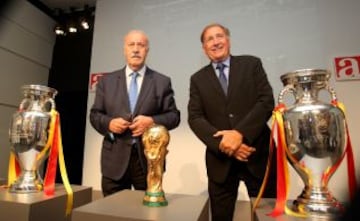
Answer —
222 77
133 91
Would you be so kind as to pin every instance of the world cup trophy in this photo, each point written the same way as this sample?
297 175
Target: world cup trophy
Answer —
155 140
29 134
315 133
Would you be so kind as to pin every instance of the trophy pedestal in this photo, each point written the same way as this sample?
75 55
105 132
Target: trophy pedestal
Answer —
243 211
127 205
38 206
265 207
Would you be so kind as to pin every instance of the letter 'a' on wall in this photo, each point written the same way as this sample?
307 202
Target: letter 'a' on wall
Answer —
347 68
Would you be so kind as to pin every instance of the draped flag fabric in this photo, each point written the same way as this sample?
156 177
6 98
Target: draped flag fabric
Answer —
283 184
55 149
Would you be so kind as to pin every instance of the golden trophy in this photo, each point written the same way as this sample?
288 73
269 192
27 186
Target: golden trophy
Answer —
155 140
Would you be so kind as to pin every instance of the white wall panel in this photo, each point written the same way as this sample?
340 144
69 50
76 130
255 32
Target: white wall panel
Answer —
26 45
286 34
17 71
28 32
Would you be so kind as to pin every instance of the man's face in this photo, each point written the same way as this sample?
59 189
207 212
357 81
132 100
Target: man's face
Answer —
216 44
136 48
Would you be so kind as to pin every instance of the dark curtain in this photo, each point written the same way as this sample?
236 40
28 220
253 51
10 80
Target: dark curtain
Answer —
69 74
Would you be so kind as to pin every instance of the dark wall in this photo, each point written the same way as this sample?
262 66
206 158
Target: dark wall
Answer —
69 74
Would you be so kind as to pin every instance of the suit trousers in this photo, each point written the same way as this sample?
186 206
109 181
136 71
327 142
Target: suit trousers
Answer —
135 176
223 196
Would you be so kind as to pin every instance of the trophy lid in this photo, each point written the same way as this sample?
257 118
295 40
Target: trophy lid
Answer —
305 76
37 89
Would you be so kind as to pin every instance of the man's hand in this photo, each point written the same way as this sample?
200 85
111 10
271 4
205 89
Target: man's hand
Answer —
140 124
243 152
118 125
230 141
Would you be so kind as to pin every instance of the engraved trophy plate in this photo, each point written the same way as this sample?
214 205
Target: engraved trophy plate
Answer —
315 137
29 135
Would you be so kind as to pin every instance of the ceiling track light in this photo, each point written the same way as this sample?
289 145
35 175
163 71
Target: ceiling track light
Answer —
72 29
59 30
85 25
76 20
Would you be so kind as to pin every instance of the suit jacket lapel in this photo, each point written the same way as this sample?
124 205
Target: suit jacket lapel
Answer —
214 80
123 92
234 78
145 87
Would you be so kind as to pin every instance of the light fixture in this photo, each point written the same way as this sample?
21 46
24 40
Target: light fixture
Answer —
72 28
85 17
73 21
85 24
59 30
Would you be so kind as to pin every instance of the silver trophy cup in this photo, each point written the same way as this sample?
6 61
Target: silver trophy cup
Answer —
315 137
29 131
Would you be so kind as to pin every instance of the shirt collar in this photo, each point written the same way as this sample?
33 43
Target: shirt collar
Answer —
226 62
141 72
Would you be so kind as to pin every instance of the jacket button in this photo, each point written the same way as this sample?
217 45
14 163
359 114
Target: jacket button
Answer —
231 115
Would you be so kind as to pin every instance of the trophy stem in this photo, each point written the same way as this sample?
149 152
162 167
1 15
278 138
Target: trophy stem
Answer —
29 181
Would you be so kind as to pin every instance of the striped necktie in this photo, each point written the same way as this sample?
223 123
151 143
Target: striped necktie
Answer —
222 77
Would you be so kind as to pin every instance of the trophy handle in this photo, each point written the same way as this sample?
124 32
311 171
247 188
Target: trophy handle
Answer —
47 106
288 88
332 93
25 103
51 103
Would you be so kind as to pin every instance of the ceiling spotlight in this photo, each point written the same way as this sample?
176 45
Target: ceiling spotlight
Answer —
59 30
72 28
85 24
86 17
59 27
71 20
74 21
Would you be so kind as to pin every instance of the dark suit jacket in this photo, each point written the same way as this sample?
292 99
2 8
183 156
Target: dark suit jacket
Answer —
247 108
156 99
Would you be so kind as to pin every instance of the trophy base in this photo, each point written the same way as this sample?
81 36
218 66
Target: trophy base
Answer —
329 209
28 182
25 188
156 199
